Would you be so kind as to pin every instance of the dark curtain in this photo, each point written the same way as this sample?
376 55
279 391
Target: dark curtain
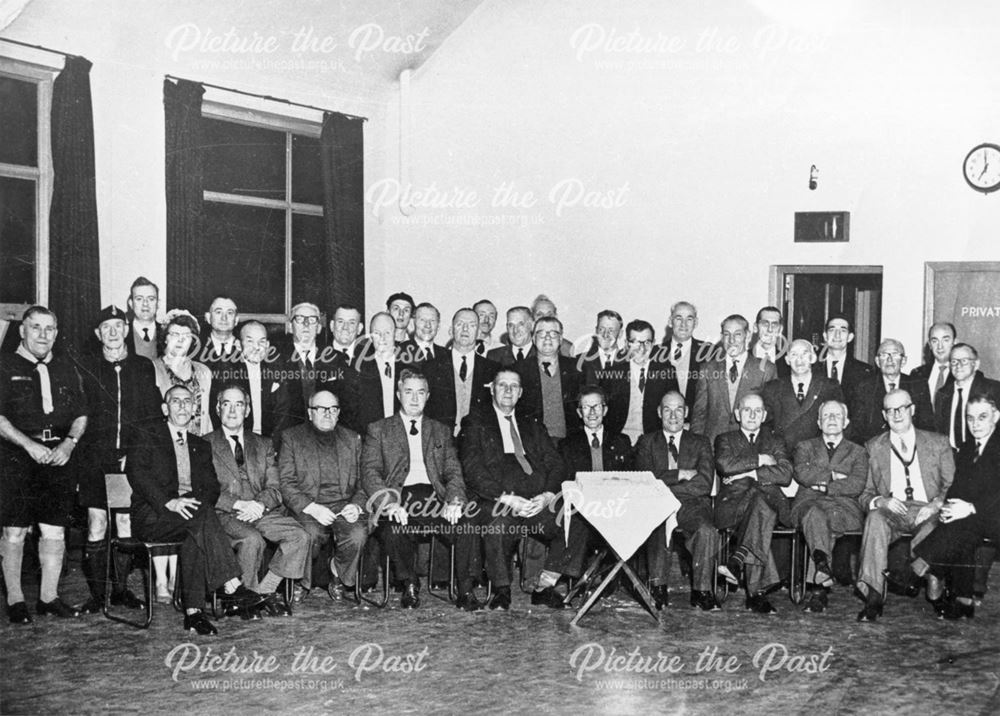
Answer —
186 275
74 258
342 147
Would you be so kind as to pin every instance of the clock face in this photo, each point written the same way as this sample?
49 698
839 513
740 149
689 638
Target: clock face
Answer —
982 168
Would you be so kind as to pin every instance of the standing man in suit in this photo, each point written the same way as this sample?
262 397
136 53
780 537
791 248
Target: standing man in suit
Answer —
487 314
723 383
259 375
683 461
543 307
753 464
971 512
953 398
831 472
769 342
421 348
909 473
793 402
687 353
219 345
346 328
936 372
378 370
123 400
868 415
249 504
144 332
604 350
512 467
319 473
551 382
459 377
836 362
410 471
520 325
400 307
174 491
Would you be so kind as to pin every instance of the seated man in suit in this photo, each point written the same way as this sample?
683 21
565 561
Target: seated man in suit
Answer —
723 383
459 377
936 370
319 473
487 314
551 382
769 342
793 402
831 472
219 344
144 332
687 353
953 399
410 471
636 386
909 473
683 461
516 474
421 348
970 513
520 325
868 417
400 307
259 375
836 359
753 464
174 491
249 503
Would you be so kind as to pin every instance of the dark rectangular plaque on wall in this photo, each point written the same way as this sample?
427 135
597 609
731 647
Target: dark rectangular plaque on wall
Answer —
822 226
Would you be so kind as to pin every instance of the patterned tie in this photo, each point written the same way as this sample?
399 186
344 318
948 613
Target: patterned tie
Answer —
518 447
942 373
45 386
734 373
548 373
238 451
180 437
801 394
979 451
834 373
830 448
595 443
958 428
677 353
463 370
413 428
642 379
672 448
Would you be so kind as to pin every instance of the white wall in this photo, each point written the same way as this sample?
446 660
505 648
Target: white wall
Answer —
713 139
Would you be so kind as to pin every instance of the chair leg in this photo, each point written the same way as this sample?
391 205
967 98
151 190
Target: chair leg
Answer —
112 549
359 595
430 572
796 580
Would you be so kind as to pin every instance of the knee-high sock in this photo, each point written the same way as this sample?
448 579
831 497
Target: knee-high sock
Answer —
94 568
12 553
50 555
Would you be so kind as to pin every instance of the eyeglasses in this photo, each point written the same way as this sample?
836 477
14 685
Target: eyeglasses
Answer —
305 320
962 362
637 342
325 409
549 334
897 412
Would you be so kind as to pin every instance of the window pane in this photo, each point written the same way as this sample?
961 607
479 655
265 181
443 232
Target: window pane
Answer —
245 250
243 160
17 240
18 122
307 176
307 260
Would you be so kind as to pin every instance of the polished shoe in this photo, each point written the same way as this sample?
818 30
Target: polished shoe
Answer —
467 602
817 600
243 597
18 613
759 604
274 606
57 607
91 606
957 610
873 608
732 570
660 596
411 597
705 601
501 599
547 597
337 591
198 622
127 599
823 570
906 584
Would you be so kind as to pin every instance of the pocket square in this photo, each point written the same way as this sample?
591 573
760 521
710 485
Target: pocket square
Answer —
275 386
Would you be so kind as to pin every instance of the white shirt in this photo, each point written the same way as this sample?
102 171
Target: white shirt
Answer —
508 441
805 383
470 361
222 348
388 384
897 381
897 473
418 470
932 379
256 394
232 444
682 365
957 440
830 362
306 354
591 433
671 463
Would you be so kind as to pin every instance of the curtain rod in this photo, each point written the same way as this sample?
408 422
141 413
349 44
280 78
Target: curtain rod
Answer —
38 47
265 96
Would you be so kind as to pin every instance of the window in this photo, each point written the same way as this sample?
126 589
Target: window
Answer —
263 215
25 185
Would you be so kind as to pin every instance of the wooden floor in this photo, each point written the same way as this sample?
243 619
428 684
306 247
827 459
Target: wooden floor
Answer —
342 658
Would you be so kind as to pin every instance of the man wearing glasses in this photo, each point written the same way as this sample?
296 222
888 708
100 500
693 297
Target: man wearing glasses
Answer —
909 472
868 419
551 382
319 475
953 398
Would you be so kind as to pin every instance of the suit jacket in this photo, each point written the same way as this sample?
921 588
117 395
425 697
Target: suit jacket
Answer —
152 473
616 452
504 355
385 460
734 455
695 453
854 372
937 467
261 480
217 361
923 374
299 466
410 353
136 344
275 409
440 372
368 405
660 378
812 465
331 372
571 380
589 362
867 419
978 481
981 385
712 414
781 367
791 420
697 358
489 472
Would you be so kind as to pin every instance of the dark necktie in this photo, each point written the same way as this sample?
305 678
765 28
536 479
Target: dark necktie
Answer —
642 379
834 373
518 447
520 354
545 367
145 335
801 394
413 428
672 448
238 450
979 451
463 370
677 353
959 425
830 448
753 438
595 443
481 348
388 370
892 387
180 437
734 374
